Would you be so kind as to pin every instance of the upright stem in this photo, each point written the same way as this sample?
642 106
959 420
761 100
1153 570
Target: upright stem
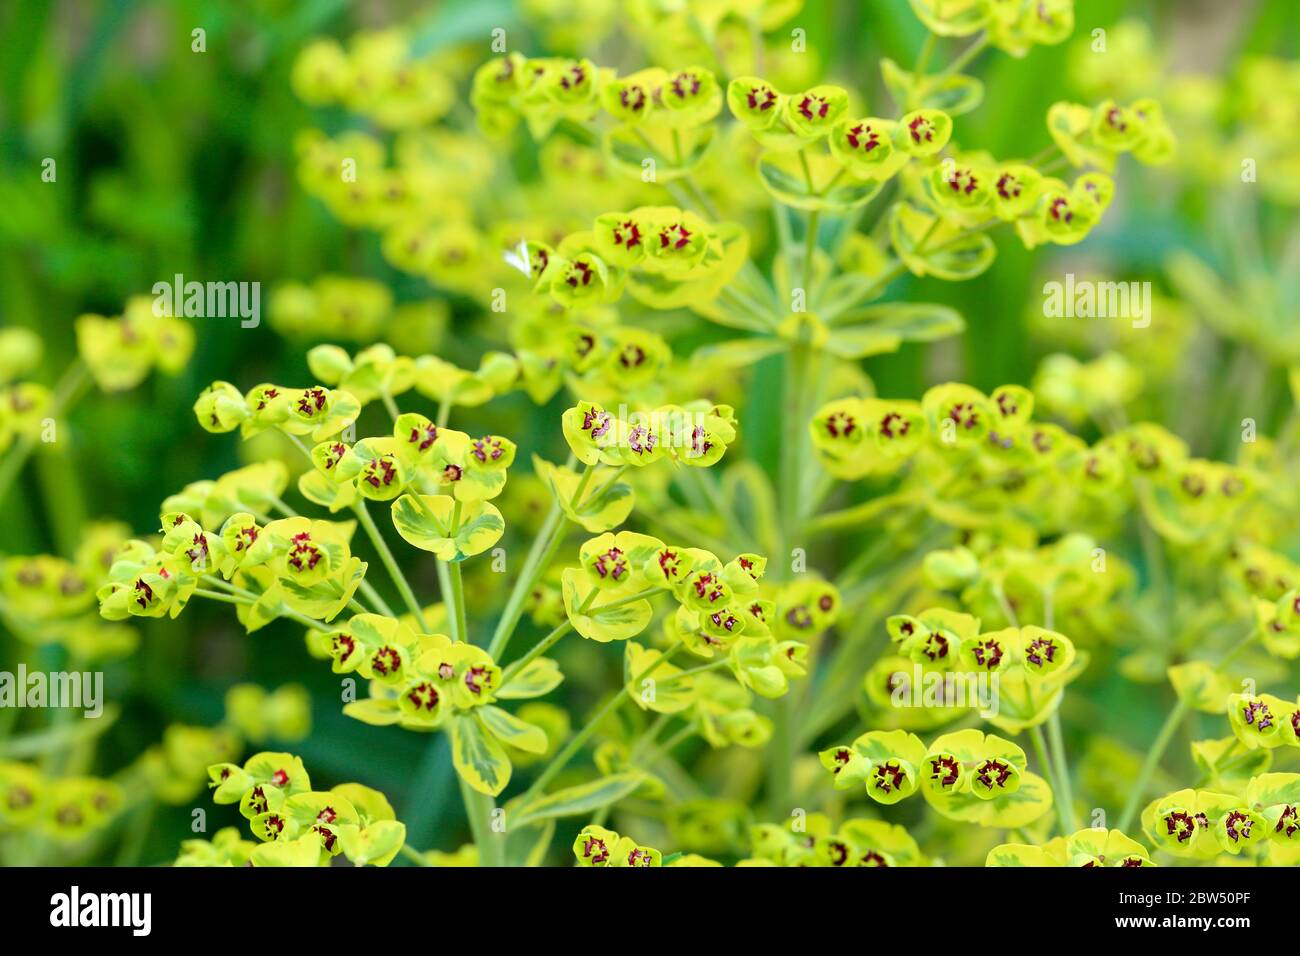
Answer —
561 760
478 807
810 250
1057 746
537 650
539 556
1040 749
394 571
1139 787
66 392
455 594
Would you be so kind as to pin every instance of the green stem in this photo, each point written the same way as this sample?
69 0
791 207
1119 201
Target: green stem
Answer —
389 404
963 58
65 394
248 597
414 855
1137 790
561 760
810 250
539 556
218 596
712 666
455 595
1040 749
536 651
478 808
394 570
1057 745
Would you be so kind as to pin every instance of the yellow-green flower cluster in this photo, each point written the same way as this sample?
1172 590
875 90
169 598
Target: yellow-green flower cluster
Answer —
66 809
1259 820
377 76
813 840
50 599
294 824
121 351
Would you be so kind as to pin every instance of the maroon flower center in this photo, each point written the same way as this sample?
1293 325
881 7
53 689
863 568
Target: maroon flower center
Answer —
813 107
760 98
1257 712
964 414
863 137
487 448
1238 825
579 274
685 84
380 471
840 424
988 653
386 661
303 555
311 401
993 773
595 850
611 564
476 679
424 696
889 776
1041 650
627 234
423 437
945 771
676 237
596 422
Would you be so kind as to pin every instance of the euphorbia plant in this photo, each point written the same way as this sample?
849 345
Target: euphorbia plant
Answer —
807 600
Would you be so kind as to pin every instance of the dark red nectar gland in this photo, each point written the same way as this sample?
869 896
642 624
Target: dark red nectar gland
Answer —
611 564
423 437
386 660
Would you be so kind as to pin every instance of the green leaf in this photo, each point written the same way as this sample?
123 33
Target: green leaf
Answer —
580 800
946 251
825 185
898 81
326 599
675 152
955 95
1201 687
860 341
478 758
322 491
429 528
509 729
376 711
1008 811
740 353
539 676
526 844
1269 789
597 624
913 321
596 513
374 845
1016 854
